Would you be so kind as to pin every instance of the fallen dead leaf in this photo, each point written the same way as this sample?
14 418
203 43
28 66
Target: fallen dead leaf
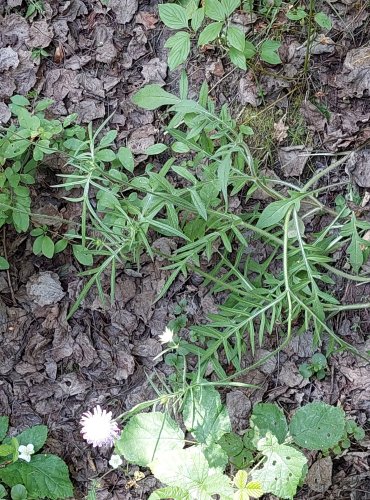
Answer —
293 160
319 477
280 130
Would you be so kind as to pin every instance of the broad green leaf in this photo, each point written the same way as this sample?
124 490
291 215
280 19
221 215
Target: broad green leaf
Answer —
4 265
149 435
16 148
210 33
47 247
317 426
238 58
44 104
214 10
35 435
268 52
230 6
179 45
197 19
215 456
204 414
105 155
20 100
126 158
45 476
2 491
231 443
156 149
283 469
188 469
4 424
108 138
236 38
18 492
170 492
274 213
5 450
268 417
174 16
296 14
180 147
83 256
323 20
249 50
153 97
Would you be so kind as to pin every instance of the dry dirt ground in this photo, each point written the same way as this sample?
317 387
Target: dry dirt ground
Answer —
51 370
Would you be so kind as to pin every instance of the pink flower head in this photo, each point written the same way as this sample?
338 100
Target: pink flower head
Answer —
98 428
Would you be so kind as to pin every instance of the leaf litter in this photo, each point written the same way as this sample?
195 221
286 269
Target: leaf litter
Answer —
57 368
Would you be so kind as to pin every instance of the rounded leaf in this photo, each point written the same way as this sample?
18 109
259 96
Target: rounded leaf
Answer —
148 435
317 426
268 417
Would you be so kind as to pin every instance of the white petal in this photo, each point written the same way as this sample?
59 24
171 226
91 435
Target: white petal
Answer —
30 449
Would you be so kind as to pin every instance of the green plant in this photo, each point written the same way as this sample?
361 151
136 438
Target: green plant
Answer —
28 474
221 30
317 367
34 7
264 295
39 52
44 244
195 468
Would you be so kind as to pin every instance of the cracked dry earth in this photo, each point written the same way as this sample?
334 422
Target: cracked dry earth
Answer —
52 370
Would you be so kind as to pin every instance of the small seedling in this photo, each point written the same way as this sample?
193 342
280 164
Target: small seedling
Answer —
318 367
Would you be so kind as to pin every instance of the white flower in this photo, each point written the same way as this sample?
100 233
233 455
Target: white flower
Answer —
115 461
167 336
98 428
25 452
